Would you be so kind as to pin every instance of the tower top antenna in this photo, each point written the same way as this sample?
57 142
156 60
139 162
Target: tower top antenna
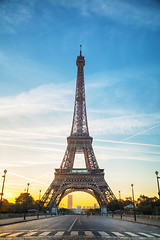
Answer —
80 50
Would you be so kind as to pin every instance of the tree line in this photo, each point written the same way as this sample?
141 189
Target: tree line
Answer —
143 205
22 204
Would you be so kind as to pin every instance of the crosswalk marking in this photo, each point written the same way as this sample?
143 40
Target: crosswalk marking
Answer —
146 235
2 234
15 234
103 233
118 234
88 233
132 234
44 234
74 233
29 234
156 234
59 233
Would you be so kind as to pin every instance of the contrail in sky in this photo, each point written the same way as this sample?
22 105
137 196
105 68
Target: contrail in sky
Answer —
141 132
31 148
30 179
130 143
4 132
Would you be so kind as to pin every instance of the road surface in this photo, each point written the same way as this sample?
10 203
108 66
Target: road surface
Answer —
79 227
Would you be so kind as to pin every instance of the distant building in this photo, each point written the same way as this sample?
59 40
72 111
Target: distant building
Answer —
78 207
78 210
70 201
95 205
89 207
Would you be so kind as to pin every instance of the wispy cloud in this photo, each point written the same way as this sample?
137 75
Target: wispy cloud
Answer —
130 12
43 99
24 177
144 131
124 124
127 12
14 13
130 143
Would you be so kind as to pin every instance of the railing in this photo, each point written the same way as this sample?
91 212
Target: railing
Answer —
138 215
21 215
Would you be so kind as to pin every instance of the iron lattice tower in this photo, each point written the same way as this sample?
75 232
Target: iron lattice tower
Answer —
68 179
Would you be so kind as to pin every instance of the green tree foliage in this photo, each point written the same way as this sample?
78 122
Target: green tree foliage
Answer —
65 211
4 206
91 211
12 208
127 201
115 205
24 202
146 205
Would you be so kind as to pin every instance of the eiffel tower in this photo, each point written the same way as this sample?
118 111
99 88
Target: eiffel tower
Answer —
68 179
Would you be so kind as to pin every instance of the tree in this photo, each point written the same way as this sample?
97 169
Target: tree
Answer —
128 201
24 202
12 208
115 205
148 205
5 206
65 211
92 211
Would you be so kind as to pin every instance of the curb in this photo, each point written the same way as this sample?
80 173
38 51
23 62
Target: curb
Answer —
149 224
10 223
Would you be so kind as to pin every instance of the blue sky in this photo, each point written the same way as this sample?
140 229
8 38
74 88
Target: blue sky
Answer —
39 43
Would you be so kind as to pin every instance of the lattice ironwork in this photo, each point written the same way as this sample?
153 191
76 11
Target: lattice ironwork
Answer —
67 179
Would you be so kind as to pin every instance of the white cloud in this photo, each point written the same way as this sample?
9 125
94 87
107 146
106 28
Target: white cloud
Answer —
49 109
41 100
127 12
130 124
16 12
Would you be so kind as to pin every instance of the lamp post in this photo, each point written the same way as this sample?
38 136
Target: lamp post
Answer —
134 209
4 176
120 203
119 195
25 211
158 183
28 187
39 204
40 195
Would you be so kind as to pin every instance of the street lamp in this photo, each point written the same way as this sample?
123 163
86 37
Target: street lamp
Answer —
39 206
28 187
119 195
4 176
134 209
25 211
158 183
120 203
40 195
